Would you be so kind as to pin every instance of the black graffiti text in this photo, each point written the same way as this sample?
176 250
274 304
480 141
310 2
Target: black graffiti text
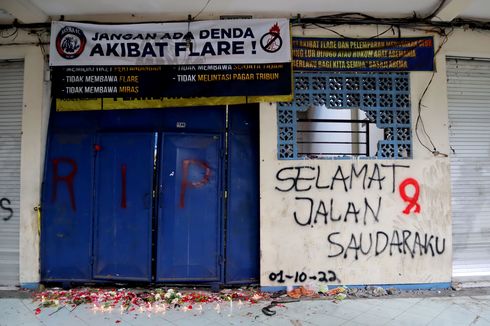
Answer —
368 176
401 242
301 277
6 212
320 211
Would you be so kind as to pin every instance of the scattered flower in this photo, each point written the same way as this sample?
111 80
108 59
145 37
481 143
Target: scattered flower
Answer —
340 296
154 300
336 291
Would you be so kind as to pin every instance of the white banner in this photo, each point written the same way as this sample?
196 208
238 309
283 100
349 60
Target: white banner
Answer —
247 41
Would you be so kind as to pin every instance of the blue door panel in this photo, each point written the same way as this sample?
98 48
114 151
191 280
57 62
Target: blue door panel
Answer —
124 177
242 246
189 220
66 238
98 195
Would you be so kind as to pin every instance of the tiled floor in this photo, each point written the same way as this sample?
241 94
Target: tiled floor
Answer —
468 310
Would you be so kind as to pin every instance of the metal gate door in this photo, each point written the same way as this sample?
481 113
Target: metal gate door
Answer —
469 137
11 83
189 213
66 238
123 209
242 228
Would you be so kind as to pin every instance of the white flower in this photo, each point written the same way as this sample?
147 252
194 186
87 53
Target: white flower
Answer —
175 301
56 302
170 291
167 295
158 296
179 295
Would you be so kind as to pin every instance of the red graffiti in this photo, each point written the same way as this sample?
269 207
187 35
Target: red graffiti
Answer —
413 200
123 186
192 184
68 179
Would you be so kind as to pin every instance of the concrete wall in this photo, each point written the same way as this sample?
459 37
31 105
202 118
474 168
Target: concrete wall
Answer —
395 247
35 110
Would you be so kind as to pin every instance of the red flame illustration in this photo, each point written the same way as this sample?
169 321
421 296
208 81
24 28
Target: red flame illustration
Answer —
275 29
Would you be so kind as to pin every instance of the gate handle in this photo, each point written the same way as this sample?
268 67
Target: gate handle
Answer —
37 209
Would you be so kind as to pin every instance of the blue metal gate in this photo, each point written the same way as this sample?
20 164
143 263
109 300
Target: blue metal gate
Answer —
123 206
66 247
189 215
242 229
119 207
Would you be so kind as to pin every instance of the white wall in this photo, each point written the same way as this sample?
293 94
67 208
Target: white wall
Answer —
148 10
34 129
293 248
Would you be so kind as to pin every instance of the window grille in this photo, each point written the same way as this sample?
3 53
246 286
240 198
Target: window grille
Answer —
383 97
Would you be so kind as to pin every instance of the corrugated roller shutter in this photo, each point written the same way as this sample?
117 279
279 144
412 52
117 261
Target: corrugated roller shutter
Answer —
469 136
11 86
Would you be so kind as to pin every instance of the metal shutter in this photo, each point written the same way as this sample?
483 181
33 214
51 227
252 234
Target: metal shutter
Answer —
469 137
11 85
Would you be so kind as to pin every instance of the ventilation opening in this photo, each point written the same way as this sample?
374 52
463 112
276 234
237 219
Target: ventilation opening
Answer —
327 133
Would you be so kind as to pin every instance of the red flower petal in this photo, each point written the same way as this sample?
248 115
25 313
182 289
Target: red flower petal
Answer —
38 311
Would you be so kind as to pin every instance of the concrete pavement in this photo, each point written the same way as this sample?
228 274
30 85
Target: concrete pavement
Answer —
466 307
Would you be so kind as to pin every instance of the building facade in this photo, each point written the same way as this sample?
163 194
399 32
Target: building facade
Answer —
365 177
